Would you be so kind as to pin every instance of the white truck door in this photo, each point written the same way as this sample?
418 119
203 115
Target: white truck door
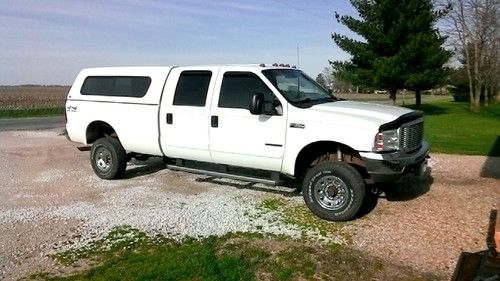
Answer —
184 113
236 136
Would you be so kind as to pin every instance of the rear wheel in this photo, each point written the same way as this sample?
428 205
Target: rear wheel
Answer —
108 158
333 191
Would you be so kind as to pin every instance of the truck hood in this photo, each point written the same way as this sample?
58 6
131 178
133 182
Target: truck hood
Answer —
354 124
373 114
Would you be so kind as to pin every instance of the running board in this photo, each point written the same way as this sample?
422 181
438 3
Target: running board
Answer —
271 182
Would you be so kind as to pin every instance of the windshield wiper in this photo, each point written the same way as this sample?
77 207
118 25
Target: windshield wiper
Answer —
310 102
306 100
328 99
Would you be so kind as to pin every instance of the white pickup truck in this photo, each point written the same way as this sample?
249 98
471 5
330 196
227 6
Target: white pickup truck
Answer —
271 119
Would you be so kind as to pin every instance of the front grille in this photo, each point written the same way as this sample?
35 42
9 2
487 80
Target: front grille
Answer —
411 136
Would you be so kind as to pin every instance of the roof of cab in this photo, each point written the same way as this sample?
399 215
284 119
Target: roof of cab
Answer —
130 70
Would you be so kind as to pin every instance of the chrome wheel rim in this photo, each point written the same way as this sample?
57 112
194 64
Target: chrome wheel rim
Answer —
103 159
331 192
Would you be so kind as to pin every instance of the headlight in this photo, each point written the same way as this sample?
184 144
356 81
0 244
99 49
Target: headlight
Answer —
386 141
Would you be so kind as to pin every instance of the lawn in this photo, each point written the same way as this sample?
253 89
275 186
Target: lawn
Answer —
451 128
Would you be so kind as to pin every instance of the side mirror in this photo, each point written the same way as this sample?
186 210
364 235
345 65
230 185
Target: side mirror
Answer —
256 103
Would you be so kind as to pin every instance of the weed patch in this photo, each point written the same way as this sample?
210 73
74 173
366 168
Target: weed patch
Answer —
300 216
129 254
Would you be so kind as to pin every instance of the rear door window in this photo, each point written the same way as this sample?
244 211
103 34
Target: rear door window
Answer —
192 88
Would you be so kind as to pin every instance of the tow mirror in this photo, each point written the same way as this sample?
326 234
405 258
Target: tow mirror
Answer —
256 103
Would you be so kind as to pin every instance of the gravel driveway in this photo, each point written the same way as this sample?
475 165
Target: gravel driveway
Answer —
51 200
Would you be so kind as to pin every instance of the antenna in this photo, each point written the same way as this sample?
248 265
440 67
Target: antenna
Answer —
298 67
298 56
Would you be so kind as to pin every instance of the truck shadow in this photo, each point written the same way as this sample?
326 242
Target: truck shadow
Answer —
408 188
137 168
491 167
430 109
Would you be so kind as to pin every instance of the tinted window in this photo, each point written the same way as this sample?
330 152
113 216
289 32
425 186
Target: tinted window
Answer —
192 88
238 88
123 86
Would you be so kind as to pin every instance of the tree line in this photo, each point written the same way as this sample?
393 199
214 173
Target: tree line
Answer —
419 45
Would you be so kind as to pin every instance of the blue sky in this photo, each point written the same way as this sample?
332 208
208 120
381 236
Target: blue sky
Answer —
49 41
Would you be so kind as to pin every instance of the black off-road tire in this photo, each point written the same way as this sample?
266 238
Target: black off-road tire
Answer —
333 191
108 158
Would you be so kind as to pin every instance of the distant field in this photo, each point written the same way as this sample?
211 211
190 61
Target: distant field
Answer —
29 97
30 101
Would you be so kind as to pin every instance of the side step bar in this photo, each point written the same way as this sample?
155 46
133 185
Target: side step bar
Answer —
271 182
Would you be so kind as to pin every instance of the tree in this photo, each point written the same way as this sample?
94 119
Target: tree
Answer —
329 78
401 48
330 81
474 29
321 80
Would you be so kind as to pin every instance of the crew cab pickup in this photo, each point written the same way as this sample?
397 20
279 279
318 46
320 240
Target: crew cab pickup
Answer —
267 118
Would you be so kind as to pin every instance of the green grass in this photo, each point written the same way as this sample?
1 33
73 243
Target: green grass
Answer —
129 254
451 128
30 112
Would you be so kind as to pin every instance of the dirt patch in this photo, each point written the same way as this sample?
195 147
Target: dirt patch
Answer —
429 230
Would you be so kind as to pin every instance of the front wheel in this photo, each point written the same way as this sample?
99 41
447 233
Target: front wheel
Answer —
108 158
333 191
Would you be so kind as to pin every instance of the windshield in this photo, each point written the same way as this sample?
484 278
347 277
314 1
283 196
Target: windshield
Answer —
298 88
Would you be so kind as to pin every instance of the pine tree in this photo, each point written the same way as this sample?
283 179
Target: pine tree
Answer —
401 48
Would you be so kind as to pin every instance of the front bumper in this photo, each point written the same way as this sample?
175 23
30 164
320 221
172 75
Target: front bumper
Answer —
390 167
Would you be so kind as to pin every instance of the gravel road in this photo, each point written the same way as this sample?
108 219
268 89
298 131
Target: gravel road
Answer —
49 196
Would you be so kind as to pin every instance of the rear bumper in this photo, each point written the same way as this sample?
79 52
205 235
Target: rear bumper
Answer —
390 167
81 147
65 132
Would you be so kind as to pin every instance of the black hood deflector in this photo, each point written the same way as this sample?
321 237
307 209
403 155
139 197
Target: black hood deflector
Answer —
405 118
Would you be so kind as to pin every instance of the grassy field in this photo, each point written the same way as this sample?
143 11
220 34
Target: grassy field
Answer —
31 101
451 128
132 255
31 112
